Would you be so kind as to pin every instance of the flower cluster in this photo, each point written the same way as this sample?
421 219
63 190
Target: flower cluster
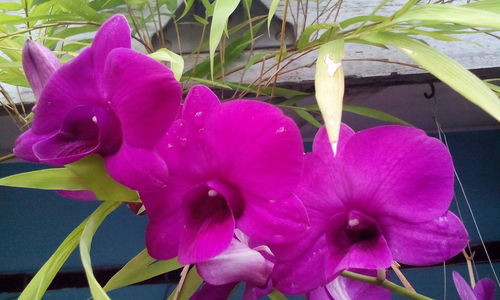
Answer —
227 186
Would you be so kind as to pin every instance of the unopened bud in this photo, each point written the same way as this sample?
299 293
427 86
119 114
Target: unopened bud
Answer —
39 63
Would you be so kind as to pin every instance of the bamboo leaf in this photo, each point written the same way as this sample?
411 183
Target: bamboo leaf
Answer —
187 7
39 284
308 117
80 8
304 39
222 10
445 69
176 61
275 295
46 179
140 268
91 170
329 86
374 114
93 222
451 14
213 83
489 5
270 14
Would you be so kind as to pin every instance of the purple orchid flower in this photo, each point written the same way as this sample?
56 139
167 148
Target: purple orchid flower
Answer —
384 197
231 165
110 100
483 290
342 288
238 263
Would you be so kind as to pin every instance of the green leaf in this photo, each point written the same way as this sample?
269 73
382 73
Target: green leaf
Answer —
200 20
304 39
213 83
39 284
329 86
80 8
92 172
408 5
351 21
255 58
46 179
222 10
275 295
191 284
489 5
187 7
308 117
93 222
10 6
272 11
374 114
445 69
176 61
451 14
140 268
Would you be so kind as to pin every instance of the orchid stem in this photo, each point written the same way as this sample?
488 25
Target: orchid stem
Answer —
385 284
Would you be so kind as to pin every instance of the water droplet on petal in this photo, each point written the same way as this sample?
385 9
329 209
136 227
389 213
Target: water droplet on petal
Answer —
94 119
272 200
169 145
353 222
278 238
183 141
281 129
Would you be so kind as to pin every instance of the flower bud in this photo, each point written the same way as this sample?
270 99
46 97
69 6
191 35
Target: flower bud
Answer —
39 64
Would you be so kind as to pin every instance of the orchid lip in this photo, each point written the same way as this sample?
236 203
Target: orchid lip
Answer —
360 227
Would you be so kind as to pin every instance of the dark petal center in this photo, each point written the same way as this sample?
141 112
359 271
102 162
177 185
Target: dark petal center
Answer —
360 227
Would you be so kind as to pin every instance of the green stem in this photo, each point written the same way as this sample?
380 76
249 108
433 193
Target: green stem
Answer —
7 157
385 284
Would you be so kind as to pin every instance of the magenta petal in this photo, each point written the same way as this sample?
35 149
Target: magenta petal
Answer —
114 33
65 91
85 130
322 146
425 243
139 169
24 145
320 293
209 225
200 101
275 221
464 290
342 288
262 148
485 289
162 236
314 268
144 94
237 263
397 171
372 254
39 63
213 292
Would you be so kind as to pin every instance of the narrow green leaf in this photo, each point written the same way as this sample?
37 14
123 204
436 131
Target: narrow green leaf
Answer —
191 284
176 61
408 5
140 268
445 69
200 20
351 21
80 8
451 14
329 86
272 11
213 83
93 222
255 58
91 170
374 114
489 5
304 39
39 284
308 117
10 6
222 10
46 179
275 295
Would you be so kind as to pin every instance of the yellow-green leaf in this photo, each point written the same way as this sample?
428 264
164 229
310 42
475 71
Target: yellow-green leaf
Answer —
46 179
304 114
329 86
272 11
451 14
176 61
222 10
91 170
191 284
140 268
444 68
93 222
